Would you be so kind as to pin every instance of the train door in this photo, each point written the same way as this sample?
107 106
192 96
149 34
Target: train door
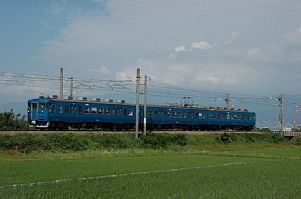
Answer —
74 112
34 111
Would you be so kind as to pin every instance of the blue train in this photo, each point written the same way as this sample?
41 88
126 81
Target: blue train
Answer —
54 114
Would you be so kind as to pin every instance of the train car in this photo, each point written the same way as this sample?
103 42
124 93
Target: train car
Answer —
52 113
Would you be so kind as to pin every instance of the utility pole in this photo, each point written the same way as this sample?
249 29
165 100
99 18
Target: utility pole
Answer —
137 100
71 87
294 115
61 83
228 101
145 104
281 114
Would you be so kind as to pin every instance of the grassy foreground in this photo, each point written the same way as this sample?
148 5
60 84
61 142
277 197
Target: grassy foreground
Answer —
204 167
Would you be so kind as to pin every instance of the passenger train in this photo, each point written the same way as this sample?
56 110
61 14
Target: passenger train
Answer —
56 114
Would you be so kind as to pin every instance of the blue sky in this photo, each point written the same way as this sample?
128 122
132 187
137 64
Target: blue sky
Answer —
240 46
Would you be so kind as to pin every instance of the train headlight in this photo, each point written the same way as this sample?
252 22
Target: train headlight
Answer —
33 122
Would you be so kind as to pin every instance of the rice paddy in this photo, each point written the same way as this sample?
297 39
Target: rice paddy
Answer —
233 172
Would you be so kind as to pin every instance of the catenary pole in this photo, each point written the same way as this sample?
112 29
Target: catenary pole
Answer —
71 87
145 104
61 83
137 100
281 114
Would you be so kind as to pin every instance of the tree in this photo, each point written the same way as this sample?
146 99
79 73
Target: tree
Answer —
11 121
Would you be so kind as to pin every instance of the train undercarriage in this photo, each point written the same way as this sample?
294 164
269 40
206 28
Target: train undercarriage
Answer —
131 127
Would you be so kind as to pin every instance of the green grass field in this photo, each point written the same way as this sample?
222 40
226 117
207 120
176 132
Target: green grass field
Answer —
207 171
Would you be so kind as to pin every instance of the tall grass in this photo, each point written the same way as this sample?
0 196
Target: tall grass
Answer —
27 143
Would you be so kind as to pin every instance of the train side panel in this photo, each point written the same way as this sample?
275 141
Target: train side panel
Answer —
50 113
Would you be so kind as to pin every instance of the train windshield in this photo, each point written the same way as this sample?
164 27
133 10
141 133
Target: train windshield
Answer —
34 105
37 105
42 105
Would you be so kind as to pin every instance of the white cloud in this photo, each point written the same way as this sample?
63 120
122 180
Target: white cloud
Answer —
126 73
131 31
253 52
180 49
233 37
102 72
201 76
294 36
201 45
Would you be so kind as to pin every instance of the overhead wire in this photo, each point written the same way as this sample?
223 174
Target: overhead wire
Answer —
157 90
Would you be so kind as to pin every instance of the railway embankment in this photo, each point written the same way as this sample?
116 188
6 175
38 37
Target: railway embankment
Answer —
13 132
104 141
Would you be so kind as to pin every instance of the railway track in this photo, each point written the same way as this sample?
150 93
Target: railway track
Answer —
121 132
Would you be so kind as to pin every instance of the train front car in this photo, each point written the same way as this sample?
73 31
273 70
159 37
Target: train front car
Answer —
38 113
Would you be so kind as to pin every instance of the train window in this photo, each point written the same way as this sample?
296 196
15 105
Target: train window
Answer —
190 114
49 107
100 110
28 106
221 116
66 109
156 113
107 111
34 105
150 113
245 117
212 116
130 112
61 109
86 109
184 115
235 117
228 117
179 114
81 109
93 110
113 111
53 108
118 111
169 114
200 115
74 109
42 105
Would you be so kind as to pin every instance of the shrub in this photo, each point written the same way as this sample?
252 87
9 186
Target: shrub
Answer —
162 140
296 141
225 138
